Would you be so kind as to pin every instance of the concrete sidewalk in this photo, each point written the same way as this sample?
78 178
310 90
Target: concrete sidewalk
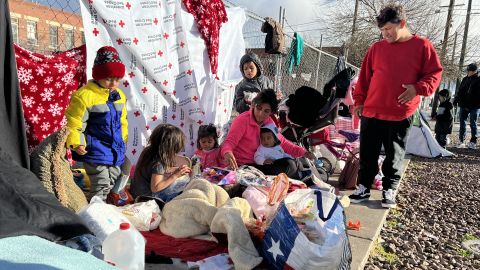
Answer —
372 217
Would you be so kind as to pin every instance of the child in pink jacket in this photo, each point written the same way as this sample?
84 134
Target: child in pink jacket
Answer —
208 150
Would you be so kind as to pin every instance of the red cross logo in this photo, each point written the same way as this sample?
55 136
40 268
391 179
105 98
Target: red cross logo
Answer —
135 40
121 23
160 53
128 5
182 124
165 82
136 113
192 144
189 72
154 118
174 116
155 21
165 36
144 89
131 74
119 41
174 92
182 44
199 122
125 83
134 151
195 98
95 31
170 65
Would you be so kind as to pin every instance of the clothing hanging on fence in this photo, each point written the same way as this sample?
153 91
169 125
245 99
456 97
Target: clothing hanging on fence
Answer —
12 134
46 83
296 51
209 15
275 40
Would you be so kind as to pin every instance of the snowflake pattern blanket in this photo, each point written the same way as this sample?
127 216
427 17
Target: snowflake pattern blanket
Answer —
46 83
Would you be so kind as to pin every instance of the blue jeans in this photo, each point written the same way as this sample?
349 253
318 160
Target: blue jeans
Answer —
173 190
464 113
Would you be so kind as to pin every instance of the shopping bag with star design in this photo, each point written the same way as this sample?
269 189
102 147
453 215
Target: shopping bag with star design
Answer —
307 232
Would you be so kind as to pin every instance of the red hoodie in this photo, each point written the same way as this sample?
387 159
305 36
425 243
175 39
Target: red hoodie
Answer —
389 65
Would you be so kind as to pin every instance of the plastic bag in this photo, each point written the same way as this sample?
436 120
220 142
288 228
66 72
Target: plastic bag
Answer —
101 218
145 216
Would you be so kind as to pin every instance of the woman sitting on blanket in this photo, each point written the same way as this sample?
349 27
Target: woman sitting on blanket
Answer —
243 139
155 173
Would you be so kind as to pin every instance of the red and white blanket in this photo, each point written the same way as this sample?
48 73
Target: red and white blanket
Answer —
46 84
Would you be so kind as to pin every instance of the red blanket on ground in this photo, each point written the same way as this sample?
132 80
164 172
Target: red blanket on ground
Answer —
187 249
46 84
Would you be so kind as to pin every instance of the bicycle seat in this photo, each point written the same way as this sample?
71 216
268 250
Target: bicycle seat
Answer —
351 136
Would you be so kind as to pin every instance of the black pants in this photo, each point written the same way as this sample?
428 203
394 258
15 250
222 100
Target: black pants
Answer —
393 136
290 167
441 139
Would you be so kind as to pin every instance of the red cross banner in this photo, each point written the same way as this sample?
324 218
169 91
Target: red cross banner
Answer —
168 77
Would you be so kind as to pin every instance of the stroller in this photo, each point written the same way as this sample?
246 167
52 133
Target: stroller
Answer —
307 112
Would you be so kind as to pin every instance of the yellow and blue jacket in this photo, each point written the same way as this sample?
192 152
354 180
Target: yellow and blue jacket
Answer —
97 118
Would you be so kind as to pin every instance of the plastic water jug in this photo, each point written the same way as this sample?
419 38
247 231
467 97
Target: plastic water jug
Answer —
125 248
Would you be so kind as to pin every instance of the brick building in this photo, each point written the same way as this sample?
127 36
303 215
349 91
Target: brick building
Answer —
45 29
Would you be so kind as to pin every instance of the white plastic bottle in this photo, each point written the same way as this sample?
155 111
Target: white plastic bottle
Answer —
125 248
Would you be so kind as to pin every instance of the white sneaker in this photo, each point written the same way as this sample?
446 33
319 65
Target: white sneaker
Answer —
461 145
472 145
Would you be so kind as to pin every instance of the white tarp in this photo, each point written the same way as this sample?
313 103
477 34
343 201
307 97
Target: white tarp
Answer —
421 142
168 72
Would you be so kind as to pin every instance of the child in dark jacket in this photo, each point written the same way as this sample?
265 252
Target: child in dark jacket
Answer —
253 82
444 118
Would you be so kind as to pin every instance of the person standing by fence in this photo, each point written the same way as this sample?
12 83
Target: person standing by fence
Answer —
395 72
468 99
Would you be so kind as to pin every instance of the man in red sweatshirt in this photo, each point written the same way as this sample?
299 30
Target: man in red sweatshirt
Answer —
395 72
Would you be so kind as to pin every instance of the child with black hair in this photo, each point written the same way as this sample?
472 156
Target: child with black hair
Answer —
444 118
208 150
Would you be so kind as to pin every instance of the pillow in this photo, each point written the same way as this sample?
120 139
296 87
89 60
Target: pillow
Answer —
48 162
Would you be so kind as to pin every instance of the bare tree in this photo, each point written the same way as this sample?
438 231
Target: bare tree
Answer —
423 19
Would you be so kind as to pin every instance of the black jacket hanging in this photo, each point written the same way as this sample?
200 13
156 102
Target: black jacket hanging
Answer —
275 40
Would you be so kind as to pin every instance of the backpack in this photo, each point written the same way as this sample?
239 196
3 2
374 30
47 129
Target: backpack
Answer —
348 176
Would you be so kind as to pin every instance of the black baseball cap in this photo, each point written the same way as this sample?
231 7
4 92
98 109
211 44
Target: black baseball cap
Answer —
472 67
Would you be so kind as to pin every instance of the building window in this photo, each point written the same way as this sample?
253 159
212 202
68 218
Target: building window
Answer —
15 29
53 31
32 32
69 39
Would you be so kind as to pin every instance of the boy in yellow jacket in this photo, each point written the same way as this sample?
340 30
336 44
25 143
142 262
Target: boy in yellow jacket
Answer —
97 121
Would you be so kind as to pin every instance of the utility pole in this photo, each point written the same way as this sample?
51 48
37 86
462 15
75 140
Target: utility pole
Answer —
443 51
355 14
465 36
454 48
447 30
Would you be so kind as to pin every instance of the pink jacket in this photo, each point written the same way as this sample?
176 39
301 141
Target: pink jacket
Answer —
211 158
243 140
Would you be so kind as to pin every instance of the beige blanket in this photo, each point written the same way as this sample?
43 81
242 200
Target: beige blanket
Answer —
204 207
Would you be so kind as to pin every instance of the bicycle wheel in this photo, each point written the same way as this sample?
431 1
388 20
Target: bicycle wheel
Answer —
327 165
322 174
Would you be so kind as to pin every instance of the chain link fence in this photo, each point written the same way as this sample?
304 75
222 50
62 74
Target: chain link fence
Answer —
315 69
47 26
